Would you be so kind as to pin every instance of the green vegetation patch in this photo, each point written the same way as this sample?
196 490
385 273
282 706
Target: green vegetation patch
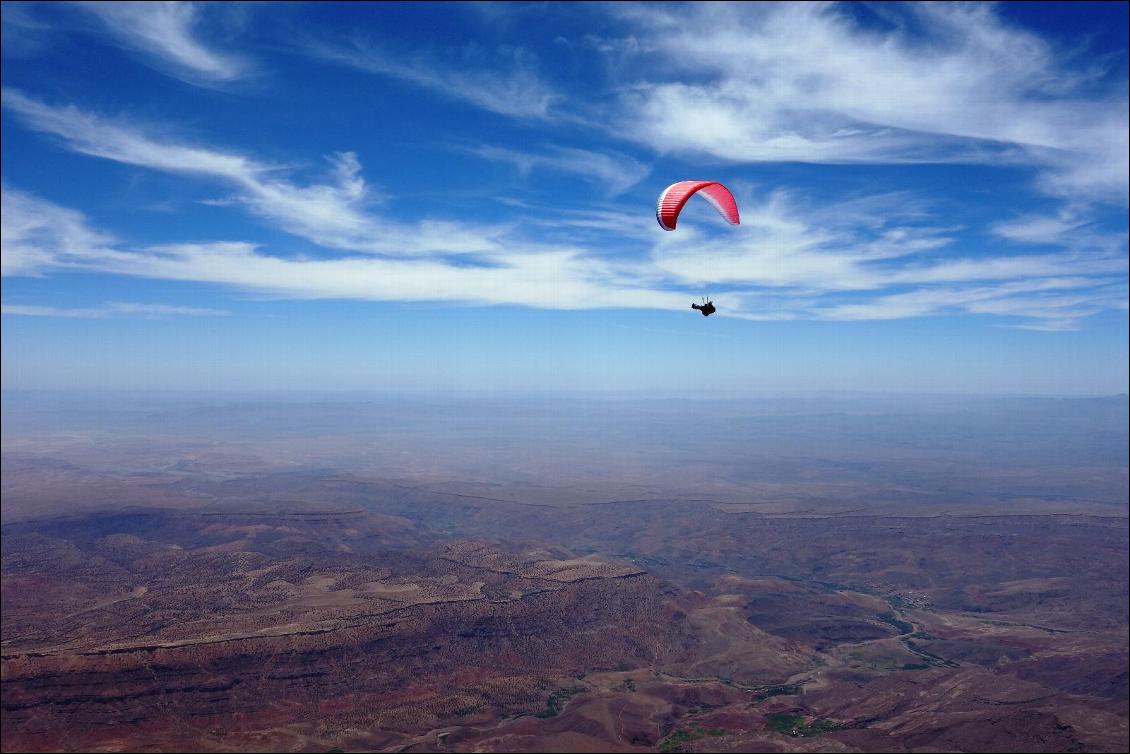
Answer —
816 727
788 689
834 586
883 659
794 725
1006 624
784 722
463 711
557 699
931 658
893 620
675 741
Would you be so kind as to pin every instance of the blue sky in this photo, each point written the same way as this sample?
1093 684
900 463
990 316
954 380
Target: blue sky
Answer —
461 197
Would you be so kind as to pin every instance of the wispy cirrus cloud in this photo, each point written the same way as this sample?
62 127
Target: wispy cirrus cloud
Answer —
836 263
38 235
514 90
333 213
784 261
781 244
1052 304
167 33
808 82
112 309
561 279
570 278
22 33
611 172
1069 228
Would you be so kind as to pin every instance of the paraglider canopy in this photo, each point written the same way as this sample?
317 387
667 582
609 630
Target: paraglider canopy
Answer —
675 196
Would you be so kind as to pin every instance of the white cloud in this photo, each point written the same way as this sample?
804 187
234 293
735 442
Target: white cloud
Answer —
166 31
556 280
37 235
1038 229
54 238
333 214
98 137
113 309
841 263
807 82
1070 228
1038 291
515 91
782 245
850 260
595 225
22 34
611 172
1052 304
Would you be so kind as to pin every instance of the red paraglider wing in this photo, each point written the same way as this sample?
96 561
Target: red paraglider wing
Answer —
673 198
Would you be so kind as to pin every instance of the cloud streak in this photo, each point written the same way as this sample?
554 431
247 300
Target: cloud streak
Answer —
612 173
112 309
779 245
38 236
807 82
332 213
46 238
876 257
515 91
52 239
166 32
1053 304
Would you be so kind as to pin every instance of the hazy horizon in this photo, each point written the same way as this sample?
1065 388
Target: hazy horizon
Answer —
839 452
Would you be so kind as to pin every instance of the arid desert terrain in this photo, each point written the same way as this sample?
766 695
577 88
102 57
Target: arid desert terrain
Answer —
165 592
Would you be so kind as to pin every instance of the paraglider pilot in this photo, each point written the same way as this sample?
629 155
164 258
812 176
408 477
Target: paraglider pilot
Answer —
671 202
707 307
